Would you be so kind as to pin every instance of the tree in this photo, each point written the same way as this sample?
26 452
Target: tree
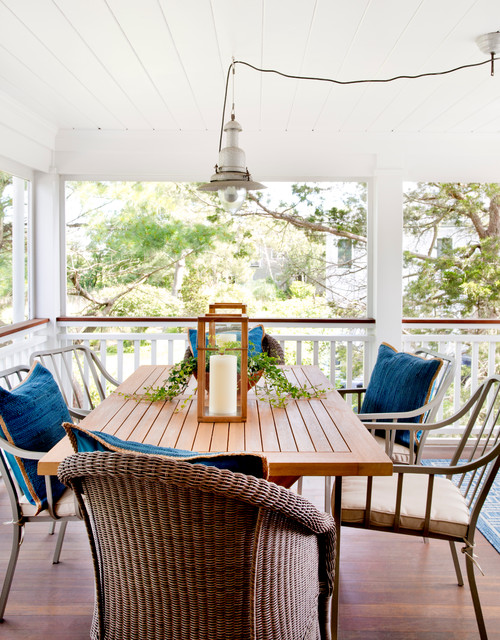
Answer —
128 234
452 267
304 225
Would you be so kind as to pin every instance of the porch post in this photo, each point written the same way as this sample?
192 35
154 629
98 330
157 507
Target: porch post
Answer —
386 258
18 252
47 250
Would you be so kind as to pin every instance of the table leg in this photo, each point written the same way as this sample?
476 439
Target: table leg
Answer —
284 481
337 511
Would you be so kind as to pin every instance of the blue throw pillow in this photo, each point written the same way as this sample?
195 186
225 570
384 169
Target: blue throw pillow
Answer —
31 417
400 382
83 440
255 337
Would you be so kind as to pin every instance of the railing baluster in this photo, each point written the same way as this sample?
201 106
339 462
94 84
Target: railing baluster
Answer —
119 358
137 354
492 348
474 365
333 360
298 357
457 383
315 352
349 365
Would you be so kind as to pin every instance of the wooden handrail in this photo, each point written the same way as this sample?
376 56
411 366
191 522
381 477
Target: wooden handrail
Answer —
478 321
111 319
21 326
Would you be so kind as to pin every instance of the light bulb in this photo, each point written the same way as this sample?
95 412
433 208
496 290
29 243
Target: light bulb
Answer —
232 198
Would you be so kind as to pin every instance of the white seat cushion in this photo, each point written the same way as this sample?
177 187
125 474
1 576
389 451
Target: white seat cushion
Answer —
400 453
64 507
449 513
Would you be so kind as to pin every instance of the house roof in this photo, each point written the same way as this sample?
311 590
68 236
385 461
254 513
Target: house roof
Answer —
125 88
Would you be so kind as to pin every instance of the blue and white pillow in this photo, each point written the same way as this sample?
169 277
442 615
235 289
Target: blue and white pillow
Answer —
400 382
255 337
31 417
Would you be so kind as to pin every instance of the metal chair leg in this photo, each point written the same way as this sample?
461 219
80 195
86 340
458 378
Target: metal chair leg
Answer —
59 543
328 494
458 570
475 597
17 539
52 528
299 486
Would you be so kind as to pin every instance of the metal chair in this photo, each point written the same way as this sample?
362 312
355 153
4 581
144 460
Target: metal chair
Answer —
64 510
417 500
427 412
79 374
188 551
398 452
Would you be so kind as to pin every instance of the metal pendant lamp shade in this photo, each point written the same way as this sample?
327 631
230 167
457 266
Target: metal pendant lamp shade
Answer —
231 178
489 43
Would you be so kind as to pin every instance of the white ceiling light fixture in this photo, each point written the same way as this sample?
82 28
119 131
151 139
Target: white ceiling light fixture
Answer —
489 43
231 178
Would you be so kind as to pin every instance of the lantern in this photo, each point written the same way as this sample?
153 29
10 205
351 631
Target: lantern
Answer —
222 366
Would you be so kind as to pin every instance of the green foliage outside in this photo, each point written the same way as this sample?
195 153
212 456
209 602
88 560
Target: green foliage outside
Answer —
187 251
5 249
460 277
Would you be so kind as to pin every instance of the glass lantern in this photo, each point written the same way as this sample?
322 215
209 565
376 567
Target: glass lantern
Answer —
222 367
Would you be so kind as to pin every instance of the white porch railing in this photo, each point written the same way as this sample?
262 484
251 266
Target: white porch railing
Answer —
475 344
19 341
338 347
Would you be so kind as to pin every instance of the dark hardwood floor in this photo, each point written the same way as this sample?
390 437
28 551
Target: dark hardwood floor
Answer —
392 587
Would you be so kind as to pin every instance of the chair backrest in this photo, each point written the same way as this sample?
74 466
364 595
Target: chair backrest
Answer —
442 382
79 374
10 378
479 448
189 551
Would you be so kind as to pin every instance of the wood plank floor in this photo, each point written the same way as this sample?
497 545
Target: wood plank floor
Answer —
392 587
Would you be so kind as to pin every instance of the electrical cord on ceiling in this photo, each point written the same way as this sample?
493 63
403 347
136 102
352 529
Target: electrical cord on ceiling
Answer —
341 82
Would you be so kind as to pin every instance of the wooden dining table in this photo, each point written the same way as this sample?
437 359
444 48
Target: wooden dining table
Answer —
319 436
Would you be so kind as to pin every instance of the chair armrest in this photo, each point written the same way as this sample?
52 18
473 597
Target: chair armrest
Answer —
353 391
78 413
20 453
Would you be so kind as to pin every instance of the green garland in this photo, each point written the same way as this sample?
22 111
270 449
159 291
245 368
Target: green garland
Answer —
277 389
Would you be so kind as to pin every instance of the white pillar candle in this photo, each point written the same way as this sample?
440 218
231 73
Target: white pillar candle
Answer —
222 394
222 339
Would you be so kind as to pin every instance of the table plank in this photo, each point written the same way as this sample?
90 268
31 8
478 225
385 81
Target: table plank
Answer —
267 429
253 437
283 430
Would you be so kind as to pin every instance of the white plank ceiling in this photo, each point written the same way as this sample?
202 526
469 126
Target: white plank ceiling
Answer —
160 65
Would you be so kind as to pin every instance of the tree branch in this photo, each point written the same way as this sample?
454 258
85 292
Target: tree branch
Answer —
301 223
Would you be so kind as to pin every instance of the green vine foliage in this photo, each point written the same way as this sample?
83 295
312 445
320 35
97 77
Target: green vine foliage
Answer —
277 389
175 384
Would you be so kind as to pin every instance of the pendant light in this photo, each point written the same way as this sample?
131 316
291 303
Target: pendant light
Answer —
231 179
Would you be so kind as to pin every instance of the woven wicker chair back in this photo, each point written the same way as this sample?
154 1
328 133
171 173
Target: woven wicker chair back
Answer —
184 551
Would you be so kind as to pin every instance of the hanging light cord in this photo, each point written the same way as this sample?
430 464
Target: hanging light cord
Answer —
341 82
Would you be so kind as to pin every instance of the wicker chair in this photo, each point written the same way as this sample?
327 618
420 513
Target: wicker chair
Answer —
184 551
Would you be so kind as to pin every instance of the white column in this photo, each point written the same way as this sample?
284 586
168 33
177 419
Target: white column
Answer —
18 251
386 257
48 231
